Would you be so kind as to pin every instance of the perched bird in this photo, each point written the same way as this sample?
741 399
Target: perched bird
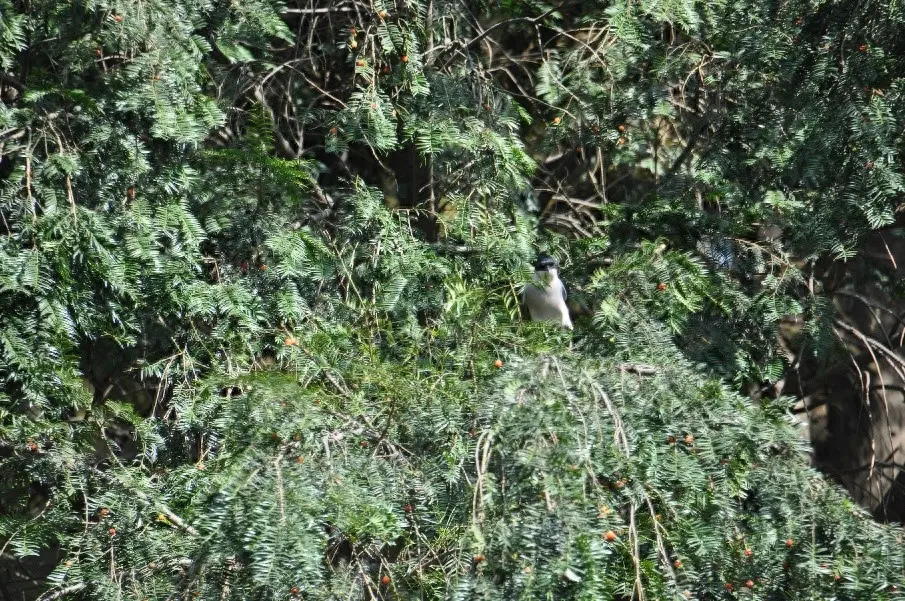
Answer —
546 296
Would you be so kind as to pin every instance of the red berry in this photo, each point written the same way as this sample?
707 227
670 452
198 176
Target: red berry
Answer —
118 18
386 69
790 543
407 508
749 583
385 580
333 131
661 286
677 564
294 590
748 552
112 531
610 536
863 47
728 586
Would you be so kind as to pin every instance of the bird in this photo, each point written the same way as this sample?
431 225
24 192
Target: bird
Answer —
546 296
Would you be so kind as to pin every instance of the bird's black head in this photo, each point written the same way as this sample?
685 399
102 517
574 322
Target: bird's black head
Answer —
545 263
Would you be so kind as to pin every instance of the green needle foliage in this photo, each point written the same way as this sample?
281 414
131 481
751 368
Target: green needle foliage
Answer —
260 334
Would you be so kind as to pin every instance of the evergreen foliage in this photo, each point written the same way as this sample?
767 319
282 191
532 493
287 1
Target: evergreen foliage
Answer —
259 272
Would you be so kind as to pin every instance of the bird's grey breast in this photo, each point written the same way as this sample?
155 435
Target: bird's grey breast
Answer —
546 301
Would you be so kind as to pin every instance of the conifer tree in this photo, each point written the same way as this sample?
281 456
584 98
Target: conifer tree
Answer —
260 334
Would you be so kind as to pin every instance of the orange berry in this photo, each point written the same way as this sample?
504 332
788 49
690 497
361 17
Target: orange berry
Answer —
789 543
353 44
671 439
112 531
263 268
104 512
677 564
689 439
300 460
405 58
478 558
728 586
610 536
661 286
749 583
748 552
333 131
621 141
290 341
359 63
383 14
556 120
863 47
498 364
118 18
621 127
385 580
